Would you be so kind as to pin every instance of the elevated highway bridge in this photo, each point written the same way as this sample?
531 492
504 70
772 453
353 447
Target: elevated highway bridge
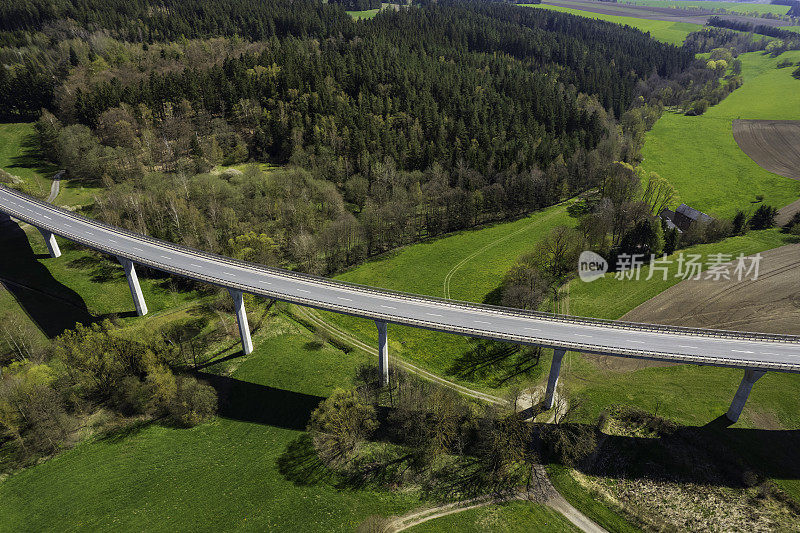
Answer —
755 353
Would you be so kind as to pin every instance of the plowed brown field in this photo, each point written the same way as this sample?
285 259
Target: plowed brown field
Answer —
769 304
773 144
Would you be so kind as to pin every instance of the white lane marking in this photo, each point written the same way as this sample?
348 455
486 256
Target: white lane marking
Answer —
67 225
481 322
388 307
137 249
166 257
345 299
229 273
432 314
692 347
47 217
533 329
112 240
742 351
770 353
265 282
90 233
582 335
196 265
637 342
302 290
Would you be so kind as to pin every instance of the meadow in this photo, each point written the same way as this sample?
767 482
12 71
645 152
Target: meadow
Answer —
699 156
19 157
248 469
666 31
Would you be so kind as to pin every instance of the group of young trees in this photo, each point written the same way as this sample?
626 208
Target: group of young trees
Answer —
43 402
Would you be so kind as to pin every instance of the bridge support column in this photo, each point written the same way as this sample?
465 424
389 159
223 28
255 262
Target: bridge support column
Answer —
50 241
749 379
383 352
241 317
552 380
133 283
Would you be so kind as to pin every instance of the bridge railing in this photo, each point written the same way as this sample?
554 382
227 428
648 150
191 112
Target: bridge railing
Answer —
349 286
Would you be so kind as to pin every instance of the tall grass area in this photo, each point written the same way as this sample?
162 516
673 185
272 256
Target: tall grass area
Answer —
735 7
700 157
665 31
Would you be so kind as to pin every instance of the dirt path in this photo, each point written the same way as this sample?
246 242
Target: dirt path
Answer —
55 187
547 494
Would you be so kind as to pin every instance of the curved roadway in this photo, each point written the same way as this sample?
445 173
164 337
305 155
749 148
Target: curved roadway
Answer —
666 343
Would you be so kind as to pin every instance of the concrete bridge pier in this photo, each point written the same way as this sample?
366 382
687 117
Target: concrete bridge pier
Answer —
749 379
133 283
50 241
241 317
383 352
552 380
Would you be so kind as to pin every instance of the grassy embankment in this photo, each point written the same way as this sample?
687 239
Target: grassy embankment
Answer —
666 31
19 156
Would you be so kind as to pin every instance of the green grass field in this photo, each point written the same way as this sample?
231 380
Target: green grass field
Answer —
18 157
735 7
700 157
476 262
365 14
666 31
246 470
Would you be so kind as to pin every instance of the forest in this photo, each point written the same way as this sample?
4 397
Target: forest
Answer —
417 122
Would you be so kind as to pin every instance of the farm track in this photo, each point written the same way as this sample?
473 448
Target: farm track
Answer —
449 277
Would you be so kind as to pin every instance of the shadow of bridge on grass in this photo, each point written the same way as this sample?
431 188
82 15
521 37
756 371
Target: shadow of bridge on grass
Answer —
52 306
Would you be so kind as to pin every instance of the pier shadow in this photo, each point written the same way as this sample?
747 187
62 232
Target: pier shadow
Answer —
52 306
715 454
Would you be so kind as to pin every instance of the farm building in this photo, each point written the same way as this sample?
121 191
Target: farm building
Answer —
683 217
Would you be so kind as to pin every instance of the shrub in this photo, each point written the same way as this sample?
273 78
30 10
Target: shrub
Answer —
130 397
764 217
340 424
739 223
194 402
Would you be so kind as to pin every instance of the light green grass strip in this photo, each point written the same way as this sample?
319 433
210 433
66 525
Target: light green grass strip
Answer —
736 7
666 31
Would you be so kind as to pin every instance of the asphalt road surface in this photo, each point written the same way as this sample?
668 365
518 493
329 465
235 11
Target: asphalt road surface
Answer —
666 343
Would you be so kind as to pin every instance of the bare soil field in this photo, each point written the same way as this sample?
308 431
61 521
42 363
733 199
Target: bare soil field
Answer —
773 144
769 304
657 13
